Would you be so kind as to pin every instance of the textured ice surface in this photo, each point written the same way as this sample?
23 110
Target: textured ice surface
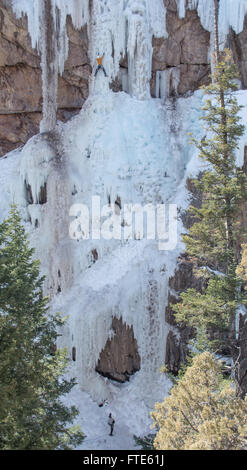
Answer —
117 146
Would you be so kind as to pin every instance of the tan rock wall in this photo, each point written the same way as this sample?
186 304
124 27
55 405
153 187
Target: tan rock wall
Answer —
186 47
176 344
119 359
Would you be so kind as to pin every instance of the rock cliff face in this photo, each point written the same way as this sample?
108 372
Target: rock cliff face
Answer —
184 53
238 44
119 359
185 50
176 345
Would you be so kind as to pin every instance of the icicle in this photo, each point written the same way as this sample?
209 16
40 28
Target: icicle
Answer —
205 12
77 9
127 26
157 18
144 19
175 79
118 26
124 80
49 65
181 4
108 35
231 14
139 48
79 12
33 11
167 81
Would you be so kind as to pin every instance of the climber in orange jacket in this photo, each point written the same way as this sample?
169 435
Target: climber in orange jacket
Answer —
100 65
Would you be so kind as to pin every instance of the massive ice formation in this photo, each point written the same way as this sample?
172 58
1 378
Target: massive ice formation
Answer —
119 149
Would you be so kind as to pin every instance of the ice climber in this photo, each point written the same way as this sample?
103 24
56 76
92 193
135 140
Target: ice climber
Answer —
100 65
111 423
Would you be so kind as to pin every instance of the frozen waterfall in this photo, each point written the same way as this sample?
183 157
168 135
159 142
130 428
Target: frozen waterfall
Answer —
122 148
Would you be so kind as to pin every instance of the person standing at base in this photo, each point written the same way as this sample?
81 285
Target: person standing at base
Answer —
100 64
111 423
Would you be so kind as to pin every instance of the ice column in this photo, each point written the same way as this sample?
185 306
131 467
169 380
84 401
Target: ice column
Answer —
42 29
144 19
167 82
49 65
139 48
181 5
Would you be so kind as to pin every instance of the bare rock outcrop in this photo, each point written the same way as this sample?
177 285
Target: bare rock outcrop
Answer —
238 44
241 356
185 49
119 358
178 337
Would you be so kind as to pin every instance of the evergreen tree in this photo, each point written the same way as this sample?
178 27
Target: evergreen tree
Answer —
32 415
202 411
213 240
242 267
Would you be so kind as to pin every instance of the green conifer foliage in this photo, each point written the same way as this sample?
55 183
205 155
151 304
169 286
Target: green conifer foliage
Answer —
213 240
32 415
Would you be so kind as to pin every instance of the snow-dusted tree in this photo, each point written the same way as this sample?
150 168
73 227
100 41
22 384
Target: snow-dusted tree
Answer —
202 412
32 415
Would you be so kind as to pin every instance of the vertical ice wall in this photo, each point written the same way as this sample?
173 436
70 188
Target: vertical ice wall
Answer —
139 47
116 27
143 21
127 26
